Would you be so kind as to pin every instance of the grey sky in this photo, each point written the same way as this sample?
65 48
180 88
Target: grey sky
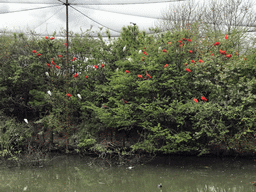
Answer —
45 20
141 14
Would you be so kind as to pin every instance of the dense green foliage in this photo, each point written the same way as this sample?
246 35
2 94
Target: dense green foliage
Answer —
160 106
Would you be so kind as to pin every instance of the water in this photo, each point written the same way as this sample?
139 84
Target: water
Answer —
176 173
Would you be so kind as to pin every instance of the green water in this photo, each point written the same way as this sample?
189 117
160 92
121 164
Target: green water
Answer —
176 173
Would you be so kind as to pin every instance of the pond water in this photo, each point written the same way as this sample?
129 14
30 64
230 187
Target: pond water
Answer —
176 173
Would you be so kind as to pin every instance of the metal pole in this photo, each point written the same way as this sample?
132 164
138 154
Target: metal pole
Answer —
67 4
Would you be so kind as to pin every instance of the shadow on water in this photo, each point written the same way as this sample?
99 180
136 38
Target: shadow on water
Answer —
175 173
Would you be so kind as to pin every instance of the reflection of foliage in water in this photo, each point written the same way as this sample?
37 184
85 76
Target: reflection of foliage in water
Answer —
97 170
87 179
183 174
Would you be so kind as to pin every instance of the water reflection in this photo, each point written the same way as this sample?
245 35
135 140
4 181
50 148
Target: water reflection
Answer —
175 174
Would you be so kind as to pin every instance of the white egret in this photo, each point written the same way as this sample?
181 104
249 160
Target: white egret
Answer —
49 92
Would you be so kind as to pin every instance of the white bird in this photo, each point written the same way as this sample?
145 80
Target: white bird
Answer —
47 74
79 96
26 121
130 167
124 48
159 49
130 59
49 92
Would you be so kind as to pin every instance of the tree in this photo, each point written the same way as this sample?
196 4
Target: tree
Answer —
150 87
179 16
219 17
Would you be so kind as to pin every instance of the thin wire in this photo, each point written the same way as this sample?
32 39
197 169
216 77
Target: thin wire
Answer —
61 2
123 13
94 20
112 12
42 35
28 9
89 18
95 36
104 11
26 2
92 3
48 18
128 3
86 8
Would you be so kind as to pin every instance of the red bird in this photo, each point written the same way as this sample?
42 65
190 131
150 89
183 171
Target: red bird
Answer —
104 106
76 75
124 101
148 75
188 70
203 98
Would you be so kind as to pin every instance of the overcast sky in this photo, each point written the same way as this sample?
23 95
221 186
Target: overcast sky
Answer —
45 20
103 14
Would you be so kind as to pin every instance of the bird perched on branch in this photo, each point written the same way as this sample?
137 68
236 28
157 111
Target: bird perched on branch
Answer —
148 75
104 106
125 102
133 23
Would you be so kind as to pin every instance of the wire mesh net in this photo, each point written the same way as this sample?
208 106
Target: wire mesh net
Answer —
89 2
46 16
